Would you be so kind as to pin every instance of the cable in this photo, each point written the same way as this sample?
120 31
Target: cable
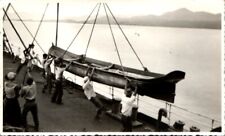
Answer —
79 31
125 36
40 23
92 29
114 41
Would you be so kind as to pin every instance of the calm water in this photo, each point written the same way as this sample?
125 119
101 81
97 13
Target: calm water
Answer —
161 49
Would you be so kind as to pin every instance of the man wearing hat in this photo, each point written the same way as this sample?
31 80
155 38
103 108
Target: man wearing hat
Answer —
12 112
91 95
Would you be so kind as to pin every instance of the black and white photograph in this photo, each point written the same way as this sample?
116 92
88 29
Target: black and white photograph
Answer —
115 66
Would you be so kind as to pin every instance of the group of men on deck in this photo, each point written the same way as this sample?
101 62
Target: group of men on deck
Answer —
12 91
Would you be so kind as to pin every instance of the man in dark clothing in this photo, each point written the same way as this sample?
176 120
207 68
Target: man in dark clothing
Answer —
11 110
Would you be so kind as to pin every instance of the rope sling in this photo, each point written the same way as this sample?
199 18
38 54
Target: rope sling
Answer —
125 36
114 41
105 5
92 29
79 31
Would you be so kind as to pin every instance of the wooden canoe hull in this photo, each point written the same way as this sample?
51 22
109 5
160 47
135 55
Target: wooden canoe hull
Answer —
151 84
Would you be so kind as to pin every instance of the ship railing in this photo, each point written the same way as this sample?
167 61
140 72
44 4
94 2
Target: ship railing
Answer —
150 107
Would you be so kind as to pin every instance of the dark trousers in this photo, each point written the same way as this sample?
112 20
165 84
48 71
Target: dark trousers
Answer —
48 84
58 93
30 105
20 66
12 112
98 104
127 123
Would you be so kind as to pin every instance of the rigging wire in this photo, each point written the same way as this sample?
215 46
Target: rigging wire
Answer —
92 29
40 23
6 11
125 36
114 41
79 31
26 28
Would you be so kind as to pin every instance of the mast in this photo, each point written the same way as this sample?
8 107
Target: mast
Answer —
56 38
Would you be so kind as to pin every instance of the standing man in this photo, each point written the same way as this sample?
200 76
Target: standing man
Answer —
29 92
45 57
11 111
26 58
127 105
58 93
91 95
48 74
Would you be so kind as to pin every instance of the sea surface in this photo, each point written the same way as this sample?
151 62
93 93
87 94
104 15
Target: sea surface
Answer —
197 52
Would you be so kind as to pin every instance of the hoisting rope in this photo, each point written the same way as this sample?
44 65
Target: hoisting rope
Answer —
92 29
79 31
114 41
40 23
27 28
125 37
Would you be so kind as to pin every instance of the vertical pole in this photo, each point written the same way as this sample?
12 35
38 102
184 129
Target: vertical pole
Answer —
112 93
166 105
212 123
169 113
56 38
138 100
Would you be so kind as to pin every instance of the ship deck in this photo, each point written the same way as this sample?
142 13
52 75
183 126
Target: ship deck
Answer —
76 114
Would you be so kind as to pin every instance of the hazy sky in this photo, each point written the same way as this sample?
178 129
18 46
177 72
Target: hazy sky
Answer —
118 7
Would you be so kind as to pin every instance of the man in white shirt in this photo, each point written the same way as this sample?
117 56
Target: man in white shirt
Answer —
48 75
91 95
58 93
127 105
29 92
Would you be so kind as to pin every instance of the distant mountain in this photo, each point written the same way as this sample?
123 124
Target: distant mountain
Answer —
178 18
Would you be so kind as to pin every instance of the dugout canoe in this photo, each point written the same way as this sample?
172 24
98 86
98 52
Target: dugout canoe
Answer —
155 85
